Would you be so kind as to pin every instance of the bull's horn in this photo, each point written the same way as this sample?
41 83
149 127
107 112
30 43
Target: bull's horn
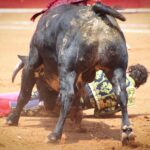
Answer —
23 58
19 66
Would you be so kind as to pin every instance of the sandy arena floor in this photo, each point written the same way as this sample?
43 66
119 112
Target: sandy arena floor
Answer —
102 134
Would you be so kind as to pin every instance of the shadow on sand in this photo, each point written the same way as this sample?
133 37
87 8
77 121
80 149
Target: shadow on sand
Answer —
96 128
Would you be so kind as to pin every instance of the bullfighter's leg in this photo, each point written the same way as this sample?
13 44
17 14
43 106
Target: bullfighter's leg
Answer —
67 91
119 84
27 83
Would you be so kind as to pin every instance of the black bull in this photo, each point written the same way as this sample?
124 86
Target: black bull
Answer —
72 42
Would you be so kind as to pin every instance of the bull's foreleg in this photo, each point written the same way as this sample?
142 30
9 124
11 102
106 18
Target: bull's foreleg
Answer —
119 84
27 84
67 91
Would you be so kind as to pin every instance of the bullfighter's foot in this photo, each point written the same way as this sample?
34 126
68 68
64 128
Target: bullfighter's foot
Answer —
53 138
128 137
12 119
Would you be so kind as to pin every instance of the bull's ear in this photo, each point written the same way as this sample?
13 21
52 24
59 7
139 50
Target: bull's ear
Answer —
24 59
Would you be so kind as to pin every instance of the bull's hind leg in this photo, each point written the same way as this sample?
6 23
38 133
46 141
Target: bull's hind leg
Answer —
76 115
119 84
27 83
67 91
48 95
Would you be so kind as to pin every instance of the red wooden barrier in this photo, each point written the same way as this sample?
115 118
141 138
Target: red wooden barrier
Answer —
43 3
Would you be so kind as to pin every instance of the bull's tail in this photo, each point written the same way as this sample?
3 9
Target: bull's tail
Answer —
37 14
19 66
99 8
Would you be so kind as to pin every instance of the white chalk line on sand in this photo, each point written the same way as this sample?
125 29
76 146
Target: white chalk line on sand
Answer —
16 22
7 27
17 10
34 10
125 25
145 31
135 25
29 25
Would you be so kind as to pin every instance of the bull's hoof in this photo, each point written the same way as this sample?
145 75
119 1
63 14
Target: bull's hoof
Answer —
12 119
53 138
128 137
